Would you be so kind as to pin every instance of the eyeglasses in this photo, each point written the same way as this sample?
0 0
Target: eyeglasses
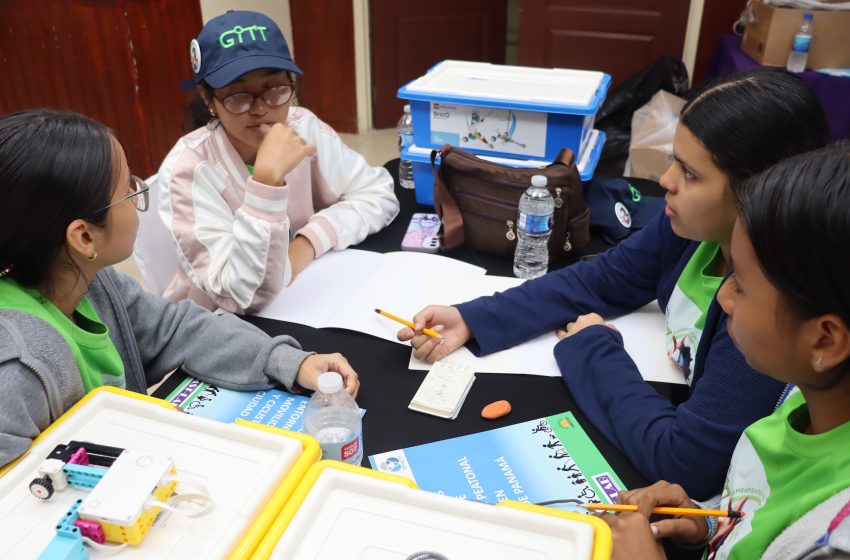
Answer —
239 103
139 196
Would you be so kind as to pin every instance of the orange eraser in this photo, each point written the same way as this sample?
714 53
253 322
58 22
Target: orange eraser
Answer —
496 410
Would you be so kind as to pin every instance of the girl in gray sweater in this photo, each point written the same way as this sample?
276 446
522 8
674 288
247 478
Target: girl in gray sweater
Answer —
68 322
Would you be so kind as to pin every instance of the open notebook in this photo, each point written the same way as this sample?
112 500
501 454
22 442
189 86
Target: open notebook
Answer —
343 288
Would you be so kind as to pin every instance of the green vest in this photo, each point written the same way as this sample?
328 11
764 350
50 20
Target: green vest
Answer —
87 337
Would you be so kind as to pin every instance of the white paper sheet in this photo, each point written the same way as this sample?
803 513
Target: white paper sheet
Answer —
643 337
343 288
321 287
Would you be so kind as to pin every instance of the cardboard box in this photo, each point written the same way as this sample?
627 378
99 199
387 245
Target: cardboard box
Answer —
770 30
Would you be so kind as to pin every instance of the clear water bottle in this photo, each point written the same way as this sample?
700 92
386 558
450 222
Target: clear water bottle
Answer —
405 140
533 226
800 47
333 418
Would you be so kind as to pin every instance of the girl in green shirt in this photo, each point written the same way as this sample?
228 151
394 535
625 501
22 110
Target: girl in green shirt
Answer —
788 303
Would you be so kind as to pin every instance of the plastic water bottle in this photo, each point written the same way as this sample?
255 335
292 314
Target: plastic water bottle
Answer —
405 140
333 418
800 47
533 226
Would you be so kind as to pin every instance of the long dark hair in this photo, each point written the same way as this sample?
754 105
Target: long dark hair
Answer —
55 167
797 215
752 120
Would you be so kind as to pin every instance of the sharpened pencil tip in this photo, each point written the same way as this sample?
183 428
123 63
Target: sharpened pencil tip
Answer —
736 514
378 311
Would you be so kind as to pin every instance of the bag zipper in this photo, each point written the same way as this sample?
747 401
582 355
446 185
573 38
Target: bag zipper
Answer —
509 234
487 197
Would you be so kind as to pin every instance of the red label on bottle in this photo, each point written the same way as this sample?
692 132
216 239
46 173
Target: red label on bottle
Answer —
350 450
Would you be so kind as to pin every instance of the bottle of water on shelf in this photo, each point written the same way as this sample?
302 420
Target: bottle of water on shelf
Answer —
800 47
534 226
333 418
405 139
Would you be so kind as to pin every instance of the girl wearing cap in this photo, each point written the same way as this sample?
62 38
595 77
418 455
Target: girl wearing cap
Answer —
726 134
68 322
263 188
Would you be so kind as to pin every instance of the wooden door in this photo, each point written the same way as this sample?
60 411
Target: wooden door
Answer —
117 61
620 37
410 37
323 37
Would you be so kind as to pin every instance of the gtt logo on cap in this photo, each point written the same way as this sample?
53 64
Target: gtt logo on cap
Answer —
227 40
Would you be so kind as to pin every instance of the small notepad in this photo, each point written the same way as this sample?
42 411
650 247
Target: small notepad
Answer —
443 390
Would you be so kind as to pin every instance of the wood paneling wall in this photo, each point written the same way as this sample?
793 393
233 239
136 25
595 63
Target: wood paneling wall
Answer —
323 35
117 61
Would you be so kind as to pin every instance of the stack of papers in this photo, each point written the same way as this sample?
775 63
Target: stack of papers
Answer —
443 390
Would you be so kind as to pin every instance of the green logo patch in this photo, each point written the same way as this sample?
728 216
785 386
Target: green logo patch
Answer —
231 36
635 193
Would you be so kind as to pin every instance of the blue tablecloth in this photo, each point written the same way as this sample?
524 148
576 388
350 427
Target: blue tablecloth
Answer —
833 92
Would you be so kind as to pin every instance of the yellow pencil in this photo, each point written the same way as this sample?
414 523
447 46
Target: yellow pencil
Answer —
388 315
661 510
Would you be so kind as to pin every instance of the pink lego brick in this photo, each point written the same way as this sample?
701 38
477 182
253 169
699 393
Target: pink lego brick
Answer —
80 457
92 530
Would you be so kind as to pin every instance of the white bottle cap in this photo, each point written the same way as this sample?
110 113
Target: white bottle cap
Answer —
406 107
539 180
330 382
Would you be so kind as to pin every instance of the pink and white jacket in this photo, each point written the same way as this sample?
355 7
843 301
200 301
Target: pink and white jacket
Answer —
232 233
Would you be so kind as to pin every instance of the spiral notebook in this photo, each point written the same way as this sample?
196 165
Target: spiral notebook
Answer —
443 390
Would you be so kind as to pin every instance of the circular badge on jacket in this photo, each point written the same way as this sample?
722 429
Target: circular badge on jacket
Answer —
195 55
623 215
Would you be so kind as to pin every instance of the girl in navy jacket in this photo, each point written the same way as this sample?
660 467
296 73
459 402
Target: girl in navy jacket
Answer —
726 134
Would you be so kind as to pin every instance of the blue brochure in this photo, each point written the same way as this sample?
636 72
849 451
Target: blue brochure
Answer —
272 407
546 460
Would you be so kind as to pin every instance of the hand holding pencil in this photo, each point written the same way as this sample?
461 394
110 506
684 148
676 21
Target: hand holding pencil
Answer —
687 524
444 320
409 324
664 510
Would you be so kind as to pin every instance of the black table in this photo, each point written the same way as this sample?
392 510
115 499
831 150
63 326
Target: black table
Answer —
388 385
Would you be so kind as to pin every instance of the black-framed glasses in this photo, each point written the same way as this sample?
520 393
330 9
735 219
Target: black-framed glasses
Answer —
139 196
275 96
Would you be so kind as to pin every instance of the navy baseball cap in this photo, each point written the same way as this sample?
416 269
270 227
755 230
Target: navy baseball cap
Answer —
235 43
617 208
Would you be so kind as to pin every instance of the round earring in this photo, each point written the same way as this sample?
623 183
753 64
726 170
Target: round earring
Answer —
818 363
92 256
212 112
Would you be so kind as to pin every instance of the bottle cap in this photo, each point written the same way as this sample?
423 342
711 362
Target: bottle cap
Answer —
406 107
808 16
330 382
539 180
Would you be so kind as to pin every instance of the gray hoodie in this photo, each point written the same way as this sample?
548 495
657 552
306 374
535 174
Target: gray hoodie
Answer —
809 539
39 379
